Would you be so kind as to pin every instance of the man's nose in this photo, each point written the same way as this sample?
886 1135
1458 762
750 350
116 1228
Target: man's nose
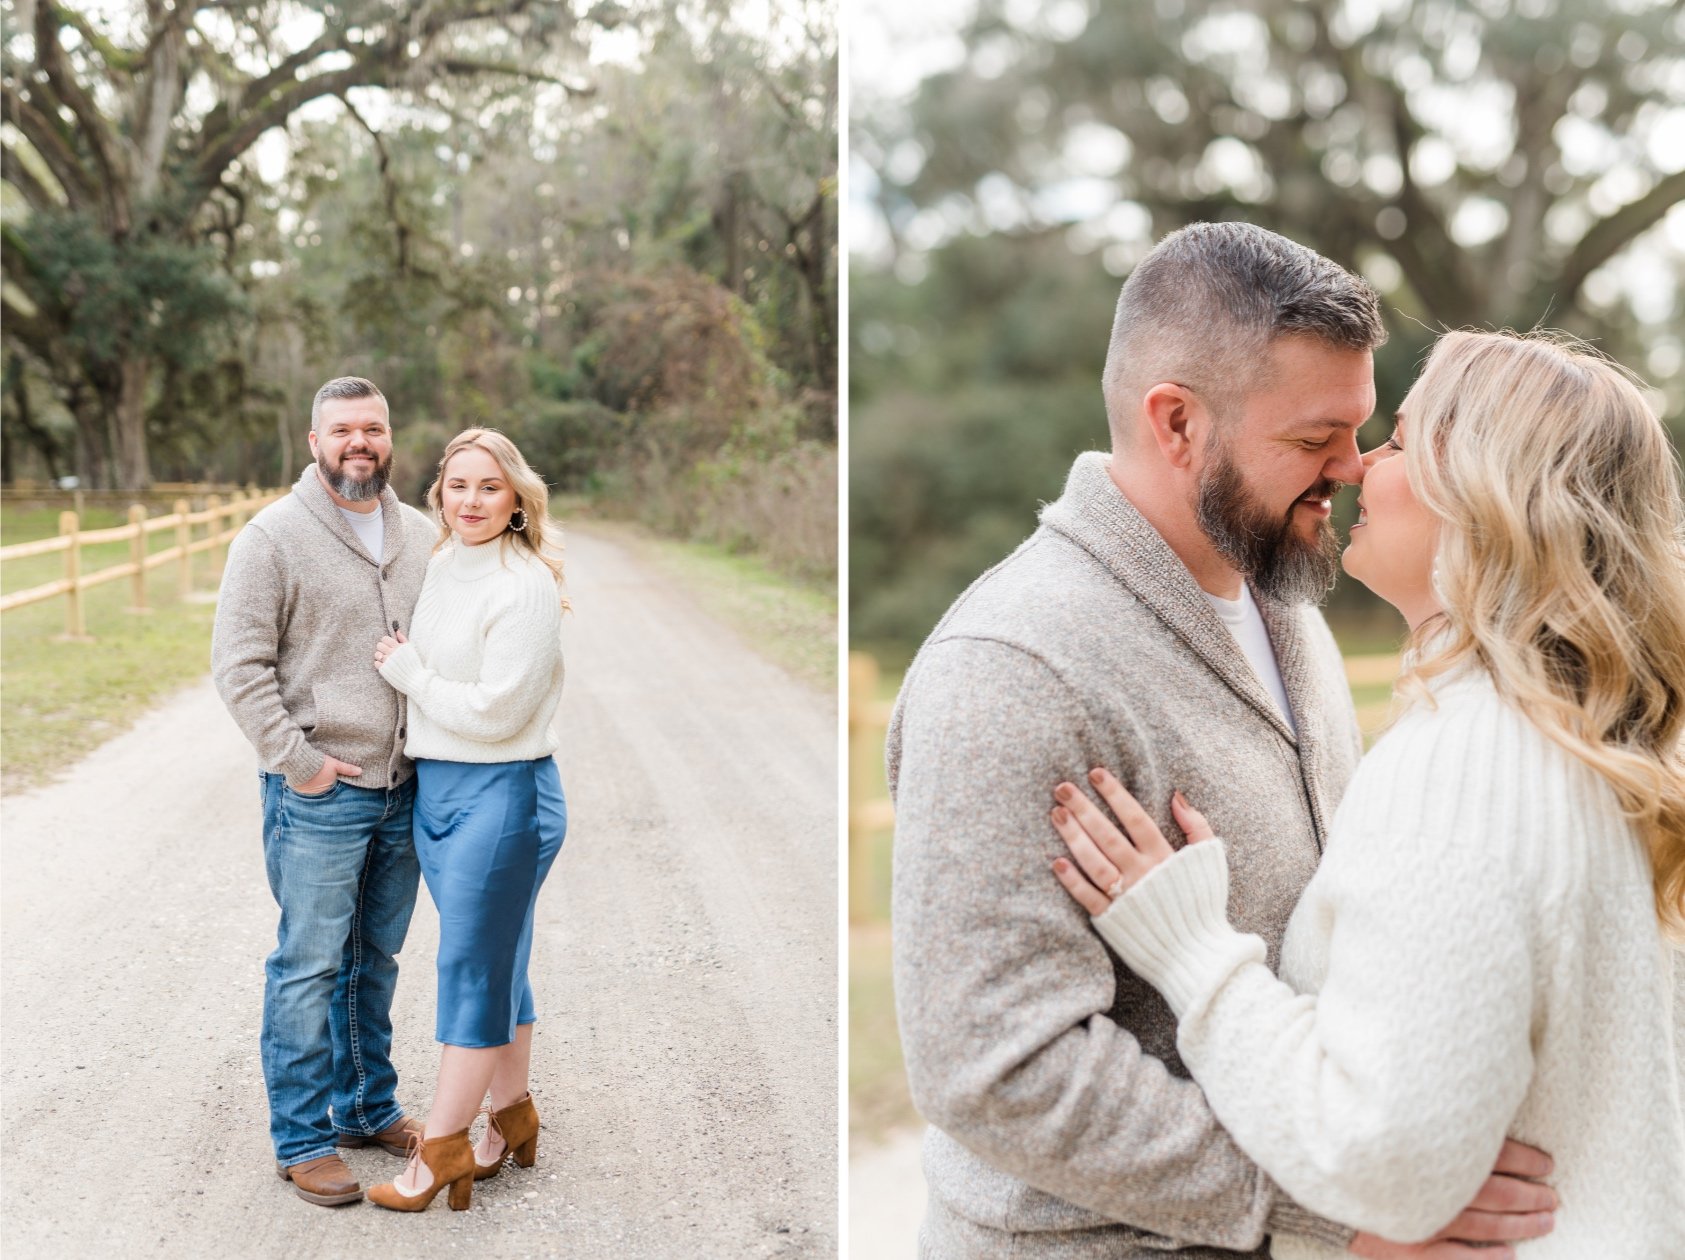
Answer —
1347 464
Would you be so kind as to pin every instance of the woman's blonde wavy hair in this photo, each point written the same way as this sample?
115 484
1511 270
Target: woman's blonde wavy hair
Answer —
532 497
1561 562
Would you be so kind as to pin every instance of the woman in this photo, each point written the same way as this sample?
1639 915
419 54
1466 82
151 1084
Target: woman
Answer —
483 674
1482 950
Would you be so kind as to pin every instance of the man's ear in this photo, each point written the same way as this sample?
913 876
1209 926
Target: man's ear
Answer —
311 439
1177 420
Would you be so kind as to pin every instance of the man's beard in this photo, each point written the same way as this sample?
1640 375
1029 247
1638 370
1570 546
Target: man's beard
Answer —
354 489
1260 544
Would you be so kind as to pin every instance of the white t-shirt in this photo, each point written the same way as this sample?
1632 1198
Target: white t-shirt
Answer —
370 528
1242 618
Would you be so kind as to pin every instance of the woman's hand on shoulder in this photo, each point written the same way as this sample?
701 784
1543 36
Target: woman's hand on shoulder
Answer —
1110 858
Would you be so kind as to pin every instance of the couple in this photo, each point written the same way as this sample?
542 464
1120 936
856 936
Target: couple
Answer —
1469 928
398 680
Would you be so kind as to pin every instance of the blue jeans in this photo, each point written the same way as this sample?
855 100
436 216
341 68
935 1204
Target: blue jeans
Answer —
343 870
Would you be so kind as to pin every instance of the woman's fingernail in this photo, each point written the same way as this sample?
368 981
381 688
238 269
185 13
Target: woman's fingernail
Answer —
1096 774
1061 815
1064 791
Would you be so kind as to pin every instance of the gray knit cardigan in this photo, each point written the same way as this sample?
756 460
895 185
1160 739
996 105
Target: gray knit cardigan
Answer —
1063 1123
300 611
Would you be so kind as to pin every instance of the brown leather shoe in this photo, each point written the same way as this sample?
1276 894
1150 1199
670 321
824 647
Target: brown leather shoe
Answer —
517 1125
394 1140
324 1180
450 1159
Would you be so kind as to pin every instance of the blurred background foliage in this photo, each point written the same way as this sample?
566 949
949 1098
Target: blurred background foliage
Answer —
1500 163
606 227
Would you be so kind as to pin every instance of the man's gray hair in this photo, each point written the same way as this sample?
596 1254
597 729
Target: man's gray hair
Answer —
1203 307
343 387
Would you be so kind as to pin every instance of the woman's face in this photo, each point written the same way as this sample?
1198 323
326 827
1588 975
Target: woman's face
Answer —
1395 539
475 497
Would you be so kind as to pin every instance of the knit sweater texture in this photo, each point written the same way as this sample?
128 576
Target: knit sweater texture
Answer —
483 665
1478 956
1063 1122
301 608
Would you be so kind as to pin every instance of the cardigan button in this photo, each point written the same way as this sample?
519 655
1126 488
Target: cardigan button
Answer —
400 732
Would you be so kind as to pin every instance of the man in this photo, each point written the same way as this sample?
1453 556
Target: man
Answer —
311 585
1161 623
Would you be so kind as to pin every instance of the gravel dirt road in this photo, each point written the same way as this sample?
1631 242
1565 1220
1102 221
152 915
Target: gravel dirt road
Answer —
685 1060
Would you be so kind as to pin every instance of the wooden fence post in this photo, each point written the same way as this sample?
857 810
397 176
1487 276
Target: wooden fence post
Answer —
184 537
862 749
137 557
74 626
214 503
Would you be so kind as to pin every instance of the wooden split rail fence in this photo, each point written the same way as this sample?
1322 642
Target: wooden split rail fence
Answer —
870 813
222 519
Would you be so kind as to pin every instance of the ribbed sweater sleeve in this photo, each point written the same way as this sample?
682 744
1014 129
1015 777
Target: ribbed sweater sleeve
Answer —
518 624
1383 1100
245 649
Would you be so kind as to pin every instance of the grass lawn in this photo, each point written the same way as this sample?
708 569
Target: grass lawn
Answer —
61 699
791 622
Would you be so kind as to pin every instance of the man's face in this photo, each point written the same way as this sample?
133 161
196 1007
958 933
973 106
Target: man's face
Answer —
1269 473
352 443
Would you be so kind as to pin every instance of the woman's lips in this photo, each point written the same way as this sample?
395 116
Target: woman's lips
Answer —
1362 516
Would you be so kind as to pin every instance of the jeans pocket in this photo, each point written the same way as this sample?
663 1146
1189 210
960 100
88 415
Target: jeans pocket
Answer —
323 795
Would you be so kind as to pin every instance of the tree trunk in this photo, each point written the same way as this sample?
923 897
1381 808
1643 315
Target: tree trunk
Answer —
824 308
92 463
17 385
729 233
134 469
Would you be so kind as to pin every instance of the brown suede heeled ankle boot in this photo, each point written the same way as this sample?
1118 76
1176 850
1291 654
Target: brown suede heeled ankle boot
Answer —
517 1125
451 1161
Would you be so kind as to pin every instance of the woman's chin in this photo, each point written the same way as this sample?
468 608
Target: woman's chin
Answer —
1352 561
1355 563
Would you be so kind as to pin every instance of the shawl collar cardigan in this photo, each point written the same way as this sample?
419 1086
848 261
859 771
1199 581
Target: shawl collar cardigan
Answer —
1063 1122
301 608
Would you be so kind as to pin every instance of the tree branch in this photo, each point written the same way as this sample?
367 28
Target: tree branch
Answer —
1606 237
33 329
1428 256
93 124
464 66
43 133
286 71
123 60
14 171
389 186
378 63
214 159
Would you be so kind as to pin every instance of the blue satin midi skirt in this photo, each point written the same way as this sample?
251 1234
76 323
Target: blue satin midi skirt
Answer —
486 836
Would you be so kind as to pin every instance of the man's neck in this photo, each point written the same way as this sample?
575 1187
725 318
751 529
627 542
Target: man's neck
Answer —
364 506
1149 491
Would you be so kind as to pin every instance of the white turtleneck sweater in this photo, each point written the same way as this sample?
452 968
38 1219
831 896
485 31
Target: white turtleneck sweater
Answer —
483 665
1477 956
